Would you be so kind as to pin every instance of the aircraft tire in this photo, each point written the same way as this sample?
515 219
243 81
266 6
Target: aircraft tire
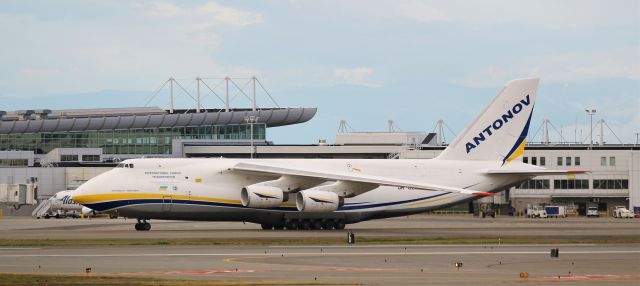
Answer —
316 224
266 226
292 225
306 225
328 224
339 224
279 227
138 226
146 226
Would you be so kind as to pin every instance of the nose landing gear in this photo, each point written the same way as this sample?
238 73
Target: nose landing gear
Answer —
143 225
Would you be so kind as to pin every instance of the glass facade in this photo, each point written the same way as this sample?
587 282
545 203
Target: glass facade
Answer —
611 184
133 141
13 162
90 158
534 185
571 184
68 158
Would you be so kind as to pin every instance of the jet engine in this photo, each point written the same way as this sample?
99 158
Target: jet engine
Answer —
317 201
88 212
256 196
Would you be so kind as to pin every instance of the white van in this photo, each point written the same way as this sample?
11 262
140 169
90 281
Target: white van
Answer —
592 211
537 212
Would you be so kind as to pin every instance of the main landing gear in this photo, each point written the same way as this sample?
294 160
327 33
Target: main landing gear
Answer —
306 224
143 225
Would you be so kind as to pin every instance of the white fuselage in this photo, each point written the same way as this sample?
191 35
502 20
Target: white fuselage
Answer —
208 189
62 201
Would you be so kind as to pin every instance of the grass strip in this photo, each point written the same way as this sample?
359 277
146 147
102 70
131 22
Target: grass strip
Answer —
90 279
321 241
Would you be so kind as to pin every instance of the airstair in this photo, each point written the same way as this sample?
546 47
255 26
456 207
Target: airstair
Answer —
43 208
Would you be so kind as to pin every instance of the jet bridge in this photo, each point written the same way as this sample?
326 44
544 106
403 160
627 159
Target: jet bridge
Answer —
18 195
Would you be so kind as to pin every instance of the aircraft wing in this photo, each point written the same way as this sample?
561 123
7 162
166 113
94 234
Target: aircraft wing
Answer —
275 169
541 172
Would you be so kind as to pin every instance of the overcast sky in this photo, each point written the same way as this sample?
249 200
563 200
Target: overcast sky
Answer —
362 61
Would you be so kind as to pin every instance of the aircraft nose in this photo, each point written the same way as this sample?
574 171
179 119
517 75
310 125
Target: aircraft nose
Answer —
79 195
86 192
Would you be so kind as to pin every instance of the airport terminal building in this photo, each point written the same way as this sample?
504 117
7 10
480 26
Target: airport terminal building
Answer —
131 132
61 149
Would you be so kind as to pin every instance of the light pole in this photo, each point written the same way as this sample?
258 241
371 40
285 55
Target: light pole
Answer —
251 120
591 113
637 134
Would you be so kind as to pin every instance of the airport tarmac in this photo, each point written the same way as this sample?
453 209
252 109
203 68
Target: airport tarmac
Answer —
406 264
417 226
355 264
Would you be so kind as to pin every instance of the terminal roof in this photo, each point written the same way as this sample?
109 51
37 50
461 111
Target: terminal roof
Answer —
82 120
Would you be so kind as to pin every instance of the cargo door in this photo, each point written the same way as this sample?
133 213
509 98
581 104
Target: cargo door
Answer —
167 203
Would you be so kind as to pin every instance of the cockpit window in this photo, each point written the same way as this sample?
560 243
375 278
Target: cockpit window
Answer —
123 165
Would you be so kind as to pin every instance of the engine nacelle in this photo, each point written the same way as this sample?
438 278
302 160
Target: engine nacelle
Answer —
317 201
261 196
88 212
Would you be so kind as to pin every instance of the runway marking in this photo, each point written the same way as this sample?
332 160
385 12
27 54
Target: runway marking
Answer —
209 271
431 245
589 277
312 254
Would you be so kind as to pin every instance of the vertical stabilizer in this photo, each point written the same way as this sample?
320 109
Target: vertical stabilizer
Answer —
499 132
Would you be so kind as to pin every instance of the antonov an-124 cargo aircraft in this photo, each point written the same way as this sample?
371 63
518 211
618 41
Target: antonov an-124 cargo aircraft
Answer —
326 193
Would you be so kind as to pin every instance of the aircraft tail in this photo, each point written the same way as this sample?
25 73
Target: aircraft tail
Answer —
499 132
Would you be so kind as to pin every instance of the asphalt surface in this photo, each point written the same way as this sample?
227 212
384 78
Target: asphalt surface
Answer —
491 264
370 265
418 226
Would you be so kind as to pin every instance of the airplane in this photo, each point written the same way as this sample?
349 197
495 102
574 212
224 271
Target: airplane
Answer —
62 205
327 193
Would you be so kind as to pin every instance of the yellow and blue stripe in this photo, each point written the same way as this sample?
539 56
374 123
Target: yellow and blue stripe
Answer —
105 202
265 196
518 148
319 200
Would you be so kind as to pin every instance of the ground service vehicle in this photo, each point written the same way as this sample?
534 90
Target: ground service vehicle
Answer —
622 212
537 212
593 212
556 211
